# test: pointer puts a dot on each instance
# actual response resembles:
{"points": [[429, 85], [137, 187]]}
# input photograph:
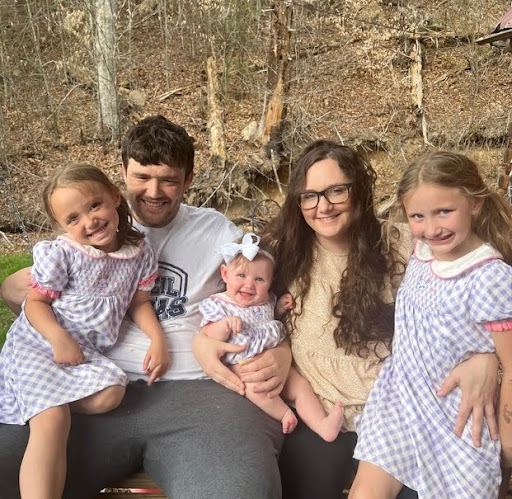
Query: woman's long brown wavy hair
{"points": [[77, 173], [363, 318], [493, 223]]}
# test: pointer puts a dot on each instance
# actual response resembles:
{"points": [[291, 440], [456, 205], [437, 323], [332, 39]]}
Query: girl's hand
{"points": [[268, 369], [284, 303], [208, 352], [67, 351], [156, 360], [477, 378]]}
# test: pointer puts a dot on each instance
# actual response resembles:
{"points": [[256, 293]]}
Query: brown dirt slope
{"points": [[350, 80]]}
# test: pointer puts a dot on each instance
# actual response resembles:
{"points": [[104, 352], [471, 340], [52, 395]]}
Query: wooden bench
{"points": [[139, 486]]}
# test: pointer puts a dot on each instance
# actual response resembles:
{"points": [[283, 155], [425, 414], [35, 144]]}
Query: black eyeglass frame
{"points": [[323, 193]]}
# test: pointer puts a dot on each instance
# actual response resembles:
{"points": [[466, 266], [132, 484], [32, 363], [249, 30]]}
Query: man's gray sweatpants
{"points": [[196, 439]]}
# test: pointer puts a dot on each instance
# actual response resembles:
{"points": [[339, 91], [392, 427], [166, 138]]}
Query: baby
{"points": [[244, 315]]}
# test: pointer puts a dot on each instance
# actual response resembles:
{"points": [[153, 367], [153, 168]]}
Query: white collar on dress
{"points": [[126, 252], [447, 270]]}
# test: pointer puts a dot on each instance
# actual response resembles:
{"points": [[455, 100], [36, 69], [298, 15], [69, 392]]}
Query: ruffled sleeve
{"points": [[212, 310], [149, 270], [50, 272], [491, 294], [499, 326]]}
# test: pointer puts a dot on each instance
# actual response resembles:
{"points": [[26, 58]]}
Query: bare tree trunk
{"points": [[215, 122], [278, 79], [162, 5], [504, 176], [35, 38], [6, 71], [105, 54], [417, 87]]}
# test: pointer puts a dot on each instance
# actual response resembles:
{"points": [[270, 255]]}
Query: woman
{"points": [[342, 276]]}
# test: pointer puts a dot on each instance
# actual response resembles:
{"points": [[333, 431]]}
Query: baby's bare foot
{"points": [[332, 423], [289, 421]]}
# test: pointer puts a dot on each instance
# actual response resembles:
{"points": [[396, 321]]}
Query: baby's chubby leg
{"points": [[43, 469], [298, 390], [275, 407], [104, 401]]}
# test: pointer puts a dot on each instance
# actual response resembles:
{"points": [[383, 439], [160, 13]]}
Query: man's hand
{"points": [[156, 360], [268, 369], [67, 351], [477, 378], [208, 352]]}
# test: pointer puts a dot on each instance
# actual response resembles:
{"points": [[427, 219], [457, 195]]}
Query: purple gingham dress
{"points": [[92, 292], [260, 330], [406, 429]]}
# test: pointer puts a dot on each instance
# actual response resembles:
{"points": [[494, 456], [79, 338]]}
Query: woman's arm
{"points": [[156, 360], [40, 315], [477, 378], [14, 289]]}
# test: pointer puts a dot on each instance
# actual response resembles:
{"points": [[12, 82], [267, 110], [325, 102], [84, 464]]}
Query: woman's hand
{"points": [[268, 369], [208, 352], [477, 378]]}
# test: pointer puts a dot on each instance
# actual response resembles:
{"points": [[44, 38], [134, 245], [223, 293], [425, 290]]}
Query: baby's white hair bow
{"points": [[249, 248]]}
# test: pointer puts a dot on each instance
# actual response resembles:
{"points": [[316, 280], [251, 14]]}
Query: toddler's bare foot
{"points": [[289, 421], [331, 424]]}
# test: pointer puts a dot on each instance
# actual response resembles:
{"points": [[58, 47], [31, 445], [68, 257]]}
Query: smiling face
{"points": [[442, 218], [248, 282], [87, 211], [330, 222], [155, 192]]}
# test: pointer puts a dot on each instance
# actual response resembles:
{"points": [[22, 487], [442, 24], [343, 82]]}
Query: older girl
{"points": [[455, 300]]}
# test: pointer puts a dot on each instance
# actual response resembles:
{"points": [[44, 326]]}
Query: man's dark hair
{"points": [[157, 141]]}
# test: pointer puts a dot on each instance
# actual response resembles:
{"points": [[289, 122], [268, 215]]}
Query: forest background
{"points": [[252, 81]]}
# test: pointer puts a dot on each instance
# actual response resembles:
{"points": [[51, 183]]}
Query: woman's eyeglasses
{"points": [[336, 194]]}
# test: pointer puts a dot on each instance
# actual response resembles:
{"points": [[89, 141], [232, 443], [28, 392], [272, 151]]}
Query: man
{"points": [[193, 436]]}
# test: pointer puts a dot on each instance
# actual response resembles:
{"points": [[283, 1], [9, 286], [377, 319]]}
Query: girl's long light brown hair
{"points": [[493, 223], [77, 173], [363, 318]]}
